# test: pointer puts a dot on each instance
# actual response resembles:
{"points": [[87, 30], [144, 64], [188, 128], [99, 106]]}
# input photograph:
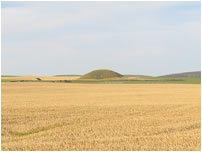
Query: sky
{"points": [[58, 38]]}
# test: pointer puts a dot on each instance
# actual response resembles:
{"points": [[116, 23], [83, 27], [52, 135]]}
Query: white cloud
{"points": [[44, 15], [105, 34]]}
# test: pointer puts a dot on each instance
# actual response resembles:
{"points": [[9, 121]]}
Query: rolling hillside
{"points": [[196, 74], [101, 74]]}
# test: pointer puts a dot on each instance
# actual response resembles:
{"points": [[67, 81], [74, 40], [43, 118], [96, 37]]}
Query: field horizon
{"points": [[182, 74], [101, 76], [111, 77]]}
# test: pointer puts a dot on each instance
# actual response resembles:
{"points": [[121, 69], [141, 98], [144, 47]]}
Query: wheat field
{"points": [[65, 116], [41, 77]]}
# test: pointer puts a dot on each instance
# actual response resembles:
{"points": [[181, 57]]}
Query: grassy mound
{"points": [[101, 74]]}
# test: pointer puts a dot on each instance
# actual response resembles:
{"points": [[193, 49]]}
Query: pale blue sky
{"points": [[52, 38]]}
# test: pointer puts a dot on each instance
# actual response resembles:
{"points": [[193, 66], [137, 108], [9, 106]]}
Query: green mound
{"points": [[101, 74]]}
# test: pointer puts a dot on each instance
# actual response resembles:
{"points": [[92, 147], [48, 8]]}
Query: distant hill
{"points": [[184, 74], [101, 74]]}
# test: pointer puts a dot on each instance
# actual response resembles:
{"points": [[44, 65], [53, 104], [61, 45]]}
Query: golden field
{"points": [[41, 77], [55, 78], [65, 116]]}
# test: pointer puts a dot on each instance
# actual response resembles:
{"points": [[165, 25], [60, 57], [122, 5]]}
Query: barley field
{"points": [[65, 116]]}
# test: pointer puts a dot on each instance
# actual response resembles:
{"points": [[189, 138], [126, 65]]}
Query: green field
{"points": [[150, 81], [13, 80], [145, 81]]}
